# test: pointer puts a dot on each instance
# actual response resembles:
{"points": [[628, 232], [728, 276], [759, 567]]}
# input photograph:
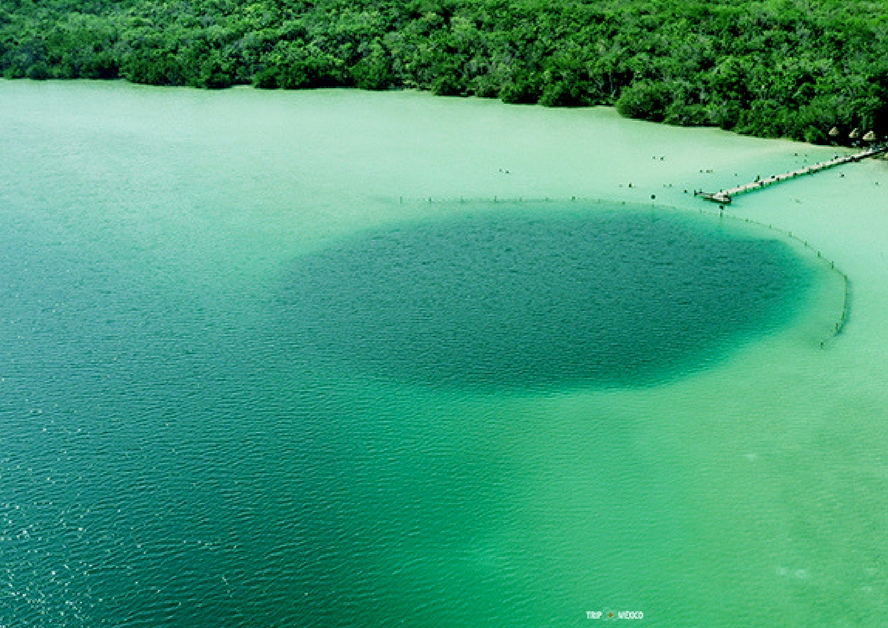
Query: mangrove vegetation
{"points": [[773, 68]]}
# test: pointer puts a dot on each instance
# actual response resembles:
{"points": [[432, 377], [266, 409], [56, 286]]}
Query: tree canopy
{"points": [[773, 68]]}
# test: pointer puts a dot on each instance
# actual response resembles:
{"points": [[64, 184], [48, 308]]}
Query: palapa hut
{"points": [[853, 135], [869, 137], [834, 132]]}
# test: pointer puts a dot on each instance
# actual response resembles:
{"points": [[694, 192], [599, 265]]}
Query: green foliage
{"points": [[775, 68], [373, 69], [646, 100]]}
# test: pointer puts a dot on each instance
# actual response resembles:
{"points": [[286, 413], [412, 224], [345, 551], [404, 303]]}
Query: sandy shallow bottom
{"points": [[161, 462]]}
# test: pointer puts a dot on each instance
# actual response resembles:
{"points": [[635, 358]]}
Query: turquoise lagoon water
{"points": [[334, 358]]}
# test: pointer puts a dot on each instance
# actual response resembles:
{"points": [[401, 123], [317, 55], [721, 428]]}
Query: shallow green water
{"points": [[248, 379]]}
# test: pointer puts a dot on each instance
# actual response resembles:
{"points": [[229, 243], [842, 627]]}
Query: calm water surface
{"points": [[279, 359]]}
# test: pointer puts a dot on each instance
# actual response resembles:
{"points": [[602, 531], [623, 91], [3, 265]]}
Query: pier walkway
{"points": [[724, 196]]}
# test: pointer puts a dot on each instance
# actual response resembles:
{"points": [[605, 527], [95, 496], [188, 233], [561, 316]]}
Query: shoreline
{"points": [[245, 87]]}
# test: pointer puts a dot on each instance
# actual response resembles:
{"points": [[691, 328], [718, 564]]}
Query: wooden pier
{"points": [[724, 196]]}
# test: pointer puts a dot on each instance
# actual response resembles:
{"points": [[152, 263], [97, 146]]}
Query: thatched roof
{"points": [[854, 134], [834, 132], [869, 137]]}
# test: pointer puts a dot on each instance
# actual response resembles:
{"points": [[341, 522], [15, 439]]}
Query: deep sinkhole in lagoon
{"points": [[546, 295]]}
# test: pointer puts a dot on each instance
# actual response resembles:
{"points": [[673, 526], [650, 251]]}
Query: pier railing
{"points": [[724, 197]]}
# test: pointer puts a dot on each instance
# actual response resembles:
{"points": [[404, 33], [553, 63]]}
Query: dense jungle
{"points": [[771, 68]]}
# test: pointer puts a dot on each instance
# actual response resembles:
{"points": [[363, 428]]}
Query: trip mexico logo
{"points": [[610, 615]]}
